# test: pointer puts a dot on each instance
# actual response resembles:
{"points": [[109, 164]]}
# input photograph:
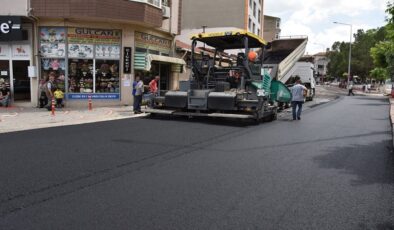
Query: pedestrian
{"points": [[4, 95], [59, 95], [43, 94], [153, 85], [350, 89], [297, 92], [139, 90], [153, 89], [50, 88]]}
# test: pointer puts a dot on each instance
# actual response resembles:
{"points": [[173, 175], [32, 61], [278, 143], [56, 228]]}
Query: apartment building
{"points": [[221, 15], [94, 47], [271, 28]]}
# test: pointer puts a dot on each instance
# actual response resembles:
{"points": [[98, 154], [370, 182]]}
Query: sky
{"points": [[315, 18]]}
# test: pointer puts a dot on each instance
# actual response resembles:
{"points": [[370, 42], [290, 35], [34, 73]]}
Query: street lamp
{"points": [[350, 49]]}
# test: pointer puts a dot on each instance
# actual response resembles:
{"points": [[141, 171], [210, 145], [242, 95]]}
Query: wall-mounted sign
{"points": [[21, 51], [152, 42], [127, 60], [97, 96], [10, 28], [94, 36]]}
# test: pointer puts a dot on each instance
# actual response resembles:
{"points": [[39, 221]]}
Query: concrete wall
{"points": [[14, 7], [217, 13]]}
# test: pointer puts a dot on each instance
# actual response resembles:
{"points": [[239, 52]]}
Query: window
{"points": [[259, 16], [156, 3], [277, 23], [254, 28], [258, 32], [250, 3], [277, 36], [250, 24], [254, 9]]}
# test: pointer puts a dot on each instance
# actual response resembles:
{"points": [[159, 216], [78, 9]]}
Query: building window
{"points": [[277, 36], [156, 3], [250, 24], [258, 32], [277, 23], [254, 9], [254, 28], [259, 16]]}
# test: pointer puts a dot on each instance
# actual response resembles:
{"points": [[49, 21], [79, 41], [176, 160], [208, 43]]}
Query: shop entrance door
{"points": [[21, 80]]}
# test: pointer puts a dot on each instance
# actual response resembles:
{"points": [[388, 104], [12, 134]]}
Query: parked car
{"points": [[387, 87]]}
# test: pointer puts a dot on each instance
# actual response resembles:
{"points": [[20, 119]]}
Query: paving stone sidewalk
{"points": [[24, 117]]}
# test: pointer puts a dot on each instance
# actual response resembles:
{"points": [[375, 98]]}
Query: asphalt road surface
{"points": [[334, 169]]}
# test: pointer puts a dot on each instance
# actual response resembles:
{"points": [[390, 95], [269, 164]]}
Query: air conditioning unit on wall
{"points": [[166, 12]]}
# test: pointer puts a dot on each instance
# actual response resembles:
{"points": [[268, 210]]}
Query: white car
{"points": [[387, 87]]}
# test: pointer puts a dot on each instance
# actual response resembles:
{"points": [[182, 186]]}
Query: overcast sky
{"points": [[315, 18]]}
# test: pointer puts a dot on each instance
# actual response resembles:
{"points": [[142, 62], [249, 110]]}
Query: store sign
{"points": [[127, 60], [99, 96], [94, 36], [149, 41], [21, 51], [10, 28]]}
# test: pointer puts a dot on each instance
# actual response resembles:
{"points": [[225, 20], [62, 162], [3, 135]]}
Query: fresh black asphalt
{"points": [[334, 169]]}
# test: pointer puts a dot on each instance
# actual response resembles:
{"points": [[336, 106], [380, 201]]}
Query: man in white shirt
{"points": [[297, 92], [139, 90]]}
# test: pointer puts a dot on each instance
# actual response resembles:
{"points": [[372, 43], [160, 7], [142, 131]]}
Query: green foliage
{"points": [[379, 74], [383, 52]]}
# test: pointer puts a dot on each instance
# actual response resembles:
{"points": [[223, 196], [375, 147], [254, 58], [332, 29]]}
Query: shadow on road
{"points": [[362, 161]]}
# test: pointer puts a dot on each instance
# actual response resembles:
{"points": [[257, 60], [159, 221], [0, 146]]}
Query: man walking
{"points": [[350, 88], [297, 92], [139, 90]]}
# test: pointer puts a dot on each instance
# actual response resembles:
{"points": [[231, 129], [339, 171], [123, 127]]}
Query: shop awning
{"points": [[166, 59]]}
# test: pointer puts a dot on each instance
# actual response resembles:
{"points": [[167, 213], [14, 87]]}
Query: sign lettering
{"points": [[127, 60], [5, 27]]}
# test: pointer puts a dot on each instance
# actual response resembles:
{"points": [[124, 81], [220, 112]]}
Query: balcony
{"points": [[106, 10]]}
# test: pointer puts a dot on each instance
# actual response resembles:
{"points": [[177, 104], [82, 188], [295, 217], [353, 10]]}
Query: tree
{"points": [[383, 52]]}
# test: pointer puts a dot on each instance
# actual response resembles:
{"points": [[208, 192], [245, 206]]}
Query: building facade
{"points": [[221, 15], [94, 47], [321, 61], [271, 28]]}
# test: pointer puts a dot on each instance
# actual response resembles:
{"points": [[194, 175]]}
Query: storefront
{"points": [[16, 57], [86, 61], [151, 58]]}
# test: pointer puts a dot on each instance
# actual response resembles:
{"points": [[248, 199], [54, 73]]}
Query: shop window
{"points": [[80, 76], [107, 76], [58, 67]]}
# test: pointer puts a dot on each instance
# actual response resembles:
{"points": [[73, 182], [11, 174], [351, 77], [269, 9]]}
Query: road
{"points": [[334, 169]]}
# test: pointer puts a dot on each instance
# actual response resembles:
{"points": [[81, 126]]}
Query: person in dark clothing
{"points": [[4, 95]]}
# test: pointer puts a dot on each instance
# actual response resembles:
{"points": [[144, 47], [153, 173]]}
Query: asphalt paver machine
{"points": [[241, 89]]}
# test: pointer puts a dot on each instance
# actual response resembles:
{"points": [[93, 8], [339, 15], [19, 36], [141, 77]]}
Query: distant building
{"points": [[321, 61], [271, 28], [221, 15]]}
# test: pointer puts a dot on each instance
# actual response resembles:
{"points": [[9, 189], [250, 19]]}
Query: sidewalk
{"points": [[24, 117]]}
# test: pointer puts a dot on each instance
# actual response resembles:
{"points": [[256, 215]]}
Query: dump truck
{"points": [[242, 90], [304, 70], [282, 55]]}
